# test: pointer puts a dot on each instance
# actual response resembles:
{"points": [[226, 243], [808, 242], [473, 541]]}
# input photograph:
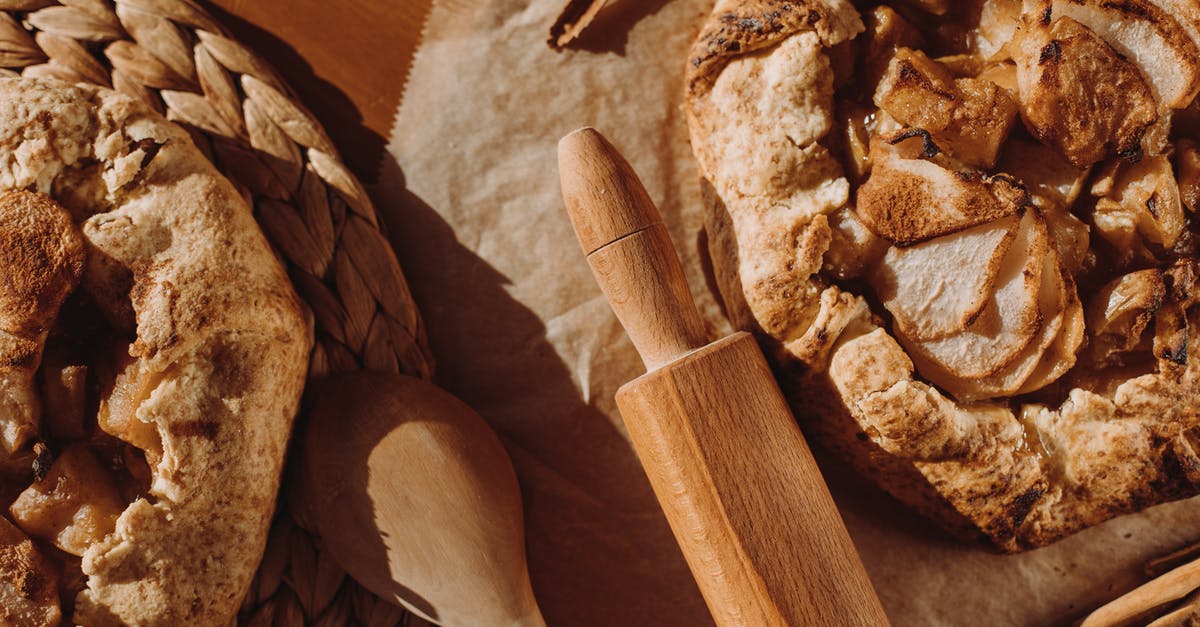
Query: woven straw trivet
{"points": [[176, 57]]}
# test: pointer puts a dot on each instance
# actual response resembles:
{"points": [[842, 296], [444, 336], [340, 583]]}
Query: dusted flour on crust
{"points": [[1064, 433], [174, 256]]}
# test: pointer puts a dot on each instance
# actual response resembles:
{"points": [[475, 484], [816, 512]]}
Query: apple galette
{"points": [[968, 231], [152, 356]]}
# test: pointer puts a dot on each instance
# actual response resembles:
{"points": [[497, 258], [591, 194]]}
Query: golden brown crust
{"points": [[42, 256], [786, 183], [742, 26], [173, 254], [41, 259], [1019, 475]]}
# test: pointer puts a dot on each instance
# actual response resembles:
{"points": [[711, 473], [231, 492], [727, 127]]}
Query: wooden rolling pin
{"points": [[725, 457]]}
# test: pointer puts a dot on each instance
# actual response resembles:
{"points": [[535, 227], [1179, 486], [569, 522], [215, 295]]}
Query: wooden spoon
{"points": [[417, 499]]}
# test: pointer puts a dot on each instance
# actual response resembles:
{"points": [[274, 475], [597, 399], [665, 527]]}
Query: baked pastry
{"points": [[967, 232], [152, 357]]}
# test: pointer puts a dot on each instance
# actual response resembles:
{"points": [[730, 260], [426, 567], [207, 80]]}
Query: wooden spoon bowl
{"points": [[416, 498]]}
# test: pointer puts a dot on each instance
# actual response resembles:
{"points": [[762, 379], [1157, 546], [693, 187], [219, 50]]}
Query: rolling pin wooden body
{"points": [[734, 476]]}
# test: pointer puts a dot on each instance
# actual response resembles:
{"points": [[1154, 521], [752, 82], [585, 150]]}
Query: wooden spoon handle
{"points": [[629, 249]]}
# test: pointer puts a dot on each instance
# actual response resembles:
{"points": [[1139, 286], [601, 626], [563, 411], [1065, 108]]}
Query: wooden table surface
{"points": [[347, 60]]}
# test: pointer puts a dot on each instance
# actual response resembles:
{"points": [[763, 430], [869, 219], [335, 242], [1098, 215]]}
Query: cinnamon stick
{"points": [[1173, 585], [1190, 608], [1172, 560], [573, 20]]}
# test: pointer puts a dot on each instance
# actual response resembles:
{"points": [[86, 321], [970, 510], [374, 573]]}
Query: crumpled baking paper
{"points": [[521, 332]]}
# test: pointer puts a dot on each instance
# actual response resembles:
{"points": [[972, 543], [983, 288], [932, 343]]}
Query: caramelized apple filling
{"points": [[75, 505], [90, 460], [1032, 191], [74, 453], [28, 581]]}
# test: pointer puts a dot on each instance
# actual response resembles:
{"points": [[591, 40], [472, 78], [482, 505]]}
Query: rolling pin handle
{"points": [[629, 249]]}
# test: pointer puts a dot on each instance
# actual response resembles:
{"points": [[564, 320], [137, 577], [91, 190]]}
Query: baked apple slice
{"points": [[1143, 202], [1187, 173], [28, 582], [123, 392], [1078, 94], [917, 91], [1051, 180], [1186, 12], [968, 117], [1054, 186], [1148, 35], [1052, 300], [1171, 338], [1072, 240], [853, 247], [63, 384], [1117, 316], [75, 506], [928, 302], [1062, 354], [1150, 188], [886, 32], [909, 200], [1002, 73], [998, 20], [1007, 324]]}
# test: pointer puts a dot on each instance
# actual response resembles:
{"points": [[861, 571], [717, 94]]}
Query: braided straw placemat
{"points": [[174, 56]]}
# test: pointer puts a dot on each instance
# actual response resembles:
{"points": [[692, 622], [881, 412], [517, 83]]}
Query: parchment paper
{"points": [[522, 333]]}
